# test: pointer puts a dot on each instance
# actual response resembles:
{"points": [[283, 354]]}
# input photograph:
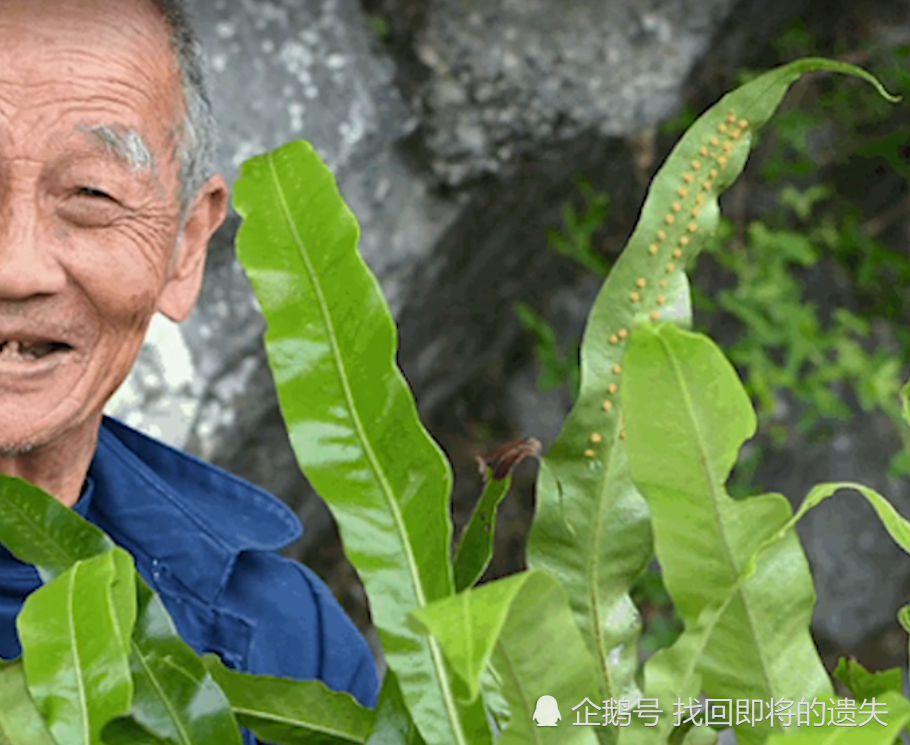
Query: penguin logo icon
{"points": [[546, 713]]}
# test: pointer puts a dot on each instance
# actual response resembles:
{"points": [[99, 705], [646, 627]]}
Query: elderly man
{"points": [[107, 204]]}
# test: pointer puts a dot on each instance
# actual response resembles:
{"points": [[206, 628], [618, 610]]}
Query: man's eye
{"points": [[88, 191], [88, 207]]}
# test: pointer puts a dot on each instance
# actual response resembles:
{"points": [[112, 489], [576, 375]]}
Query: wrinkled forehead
{"points": [[91, 73]]}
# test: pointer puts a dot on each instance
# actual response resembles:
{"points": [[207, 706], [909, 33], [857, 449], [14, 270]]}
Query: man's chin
{"points": [[20, 441], [27, 437], [17, 449]]}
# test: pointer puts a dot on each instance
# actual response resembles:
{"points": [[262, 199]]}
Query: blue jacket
{"points": [[205, 541]]}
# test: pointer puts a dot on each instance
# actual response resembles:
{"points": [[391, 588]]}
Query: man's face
{"points": [[90, 242]]}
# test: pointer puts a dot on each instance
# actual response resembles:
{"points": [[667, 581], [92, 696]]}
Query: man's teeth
{"points": [[21, 350]]}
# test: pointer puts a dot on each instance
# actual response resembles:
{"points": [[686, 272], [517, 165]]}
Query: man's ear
{"points": [[203, 218]]}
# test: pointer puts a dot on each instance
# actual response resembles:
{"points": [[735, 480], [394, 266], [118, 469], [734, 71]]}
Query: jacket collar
{"points": [[179, 513]]}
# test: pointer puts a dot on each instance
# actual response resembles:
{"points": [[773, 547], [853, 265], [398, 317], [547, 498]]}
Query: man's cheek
{"points": [[122, 272]]}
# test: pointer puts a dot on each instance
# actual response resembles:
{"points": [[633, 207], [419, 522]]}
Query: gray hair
{"points": [[198, 138]]}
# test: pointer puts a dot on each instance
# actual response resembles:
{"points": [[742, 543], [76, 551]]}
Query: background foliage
{"points": [[803, 282]]}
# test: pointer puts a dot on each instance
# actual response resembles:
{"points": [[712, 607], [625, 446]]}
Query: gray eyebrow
{"points": [[126, 143]]}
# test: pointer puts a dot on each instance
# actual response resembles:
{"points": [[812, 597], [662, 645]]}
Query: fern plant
{"points": [[639, 470]]}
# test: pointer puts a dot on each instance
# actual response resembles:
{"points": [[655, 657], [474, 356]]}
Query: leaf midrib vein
{"points": [[716, 494], [436, 653]]}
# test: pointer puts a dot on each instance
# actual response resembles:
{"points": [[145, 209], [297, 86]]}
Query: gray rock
{"points": [[860, 573], [508, 77], [521, 90]]}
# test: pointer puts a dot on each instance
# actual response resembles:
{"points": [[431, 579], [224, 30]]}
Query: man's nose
{"points": [[29, 265]]}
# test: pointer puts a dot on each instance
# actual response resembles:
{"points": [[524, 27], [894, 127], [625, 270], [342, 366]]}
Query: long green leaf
{"points": [[37, 529], [127, 731], [541, 652], [176, 698], [476, 545], [296, 712], [674, 672], [75, 645], [707, 388], [592, 528], [21, 722], [171, 683], [393, 725], [350, 416], [688, 416], [892, 521]]}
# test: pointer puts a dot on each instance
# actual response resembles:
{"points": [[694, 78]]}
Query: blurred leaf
{"points": [[393, 725], [905, 402], [296, 712], [494, 700], [579, 229], [350, 417], [75, 645], [700, 736], [864, 684], [556, 368], [802, 201], [679, 123], [870, 733], [127, 731], [896, 525], [903, 617], [21, 722]]}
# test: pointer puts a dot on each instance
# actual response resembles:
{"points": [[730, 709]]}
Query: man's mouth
{"points": [[29, 350]]}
